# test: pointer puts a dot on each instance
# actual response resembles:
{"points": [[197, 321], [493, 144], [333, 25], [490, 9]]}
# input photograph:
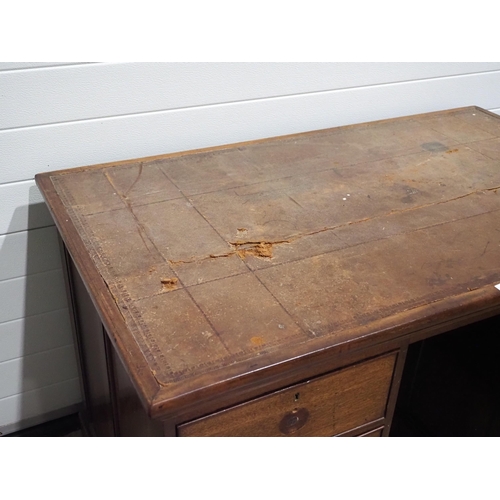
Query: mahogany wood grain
{"points": [[326, 406], [131, 418], [98, 393], [396, 383]]}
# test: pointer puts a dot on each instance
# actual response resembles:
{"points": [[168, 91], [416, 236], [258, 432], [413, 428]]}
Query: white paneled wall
{"points": [[55, 115]]}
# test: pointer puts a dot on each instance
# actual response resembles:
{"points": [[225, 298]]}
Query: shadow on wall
{"points": [[38, 371]]}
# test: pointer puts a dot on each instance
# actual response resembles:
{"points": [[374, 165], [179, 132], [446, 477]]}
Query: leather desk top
{"points": [[216, 263]]}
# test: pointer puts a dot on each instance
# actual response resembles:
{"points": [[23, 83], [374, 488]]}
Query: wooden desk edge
{"points": [[137, 367], [413, 326]]}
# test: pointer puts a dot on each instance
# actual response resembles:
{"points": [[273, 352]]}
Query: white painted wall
{"points": [[55, 115]]}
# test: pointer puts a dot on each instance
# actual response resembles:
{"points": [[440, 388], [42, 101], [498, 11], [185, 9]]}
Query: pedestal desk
{"points": [[273, 288]]}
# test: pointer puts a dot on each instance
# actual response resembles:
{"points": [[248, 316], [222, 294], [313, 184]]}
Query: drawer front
{"points": [[324, 406]]}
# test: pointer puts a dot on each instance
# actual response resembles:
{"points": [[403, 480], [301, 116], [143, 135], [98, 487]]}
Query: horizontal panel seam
{"points": [[40, 388], [9, 183], [49, 66], [492, 110], [4, 235], [31, 354], [33, 274], [26, 230], [244, 101], [30, 274], [33, 315]]}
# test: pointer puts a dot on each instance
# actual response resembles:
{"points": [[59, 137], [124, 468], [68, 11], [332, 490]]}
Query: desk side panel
{"points": [[98, 414]]}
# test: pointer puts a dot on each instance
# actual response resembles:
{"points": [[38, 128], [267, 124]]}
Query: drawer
{"points": [[374, 433], [324, 406]]}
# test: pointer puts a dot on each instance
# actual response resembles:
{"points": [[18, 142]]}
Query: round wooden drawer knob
{"points": [[293, 421]]}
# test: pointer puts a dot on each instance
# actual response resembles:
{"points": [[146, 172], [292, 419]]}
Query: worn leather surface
{"points": [[228, 255]]}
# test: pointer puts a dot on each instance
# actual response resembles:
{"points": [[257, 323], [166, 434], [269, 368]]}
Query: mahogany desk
{"points": [[273, 287]]}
